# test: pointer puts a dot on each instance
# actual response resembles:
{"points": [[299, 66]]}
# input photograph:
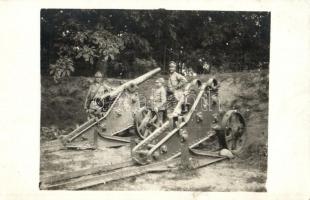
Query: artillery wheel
{"points": [[146, 122], [234, 130]]}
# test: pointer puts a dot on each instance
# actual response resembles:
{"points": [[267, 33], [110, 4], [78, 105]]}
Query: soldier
{"points": [[159, 99], [176, 81], [96, 90], [176, 84]]}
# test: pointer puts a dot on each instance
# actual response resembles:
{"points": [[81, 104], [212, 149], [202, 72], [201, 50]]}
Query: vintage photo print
{"points": [[154, 100]]}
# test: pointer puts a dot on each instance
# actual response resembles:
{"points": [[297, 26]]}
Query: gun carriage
{"points": [[196, 123]]}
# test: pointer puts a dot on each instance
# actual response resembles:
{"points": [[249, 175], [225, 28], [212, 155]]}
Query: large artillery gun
{"points": [[201, 123], [114, 119], [201, 130]]}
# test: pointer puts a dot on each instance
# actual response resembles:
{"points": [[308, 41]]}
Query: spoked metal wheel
{"points": [[234, 129], [146, 122]]}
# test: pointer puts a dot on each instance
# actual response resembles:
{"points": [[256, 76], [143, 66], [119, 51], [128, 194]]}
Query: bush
{"points": [[144, 65]]}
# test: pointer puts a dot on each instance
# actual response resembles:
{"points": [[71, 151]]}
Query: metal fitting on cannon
{"points": [[183, 135], [134, 100], [213, 84], [132, 87], [103, 127], [163, 149], [216, 127], [156, 155], [199, 117], [118, 113]]}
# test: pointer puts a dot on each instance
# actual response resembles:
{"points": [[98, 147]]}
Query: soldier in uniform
{"points": [[96, 90], [159, 99], [176, 81], [176, 84]]}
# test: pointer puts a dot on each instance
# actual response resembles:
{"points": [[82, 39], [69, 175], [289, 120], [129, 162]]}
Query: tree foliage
{"points": [[62, 68], [79, 41]]}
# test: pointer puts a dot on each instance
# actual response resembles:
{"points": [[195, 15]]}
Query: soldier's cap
{"points": [[98, 75], [172, 64], [160, 80]]}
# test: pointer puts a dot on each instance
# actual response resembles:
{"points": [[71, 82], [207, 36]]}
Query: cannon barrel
{"points": [[131, 83]]}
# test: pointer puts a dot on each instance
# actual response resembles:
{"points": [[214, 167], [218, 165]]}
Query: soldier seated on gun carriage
{"points": [[93, 107]]}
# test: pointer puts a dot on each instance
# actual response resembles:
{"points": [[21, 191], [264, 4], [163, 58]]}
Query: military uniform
{"points": [[176, 84], [159, 99], [96, 90]]}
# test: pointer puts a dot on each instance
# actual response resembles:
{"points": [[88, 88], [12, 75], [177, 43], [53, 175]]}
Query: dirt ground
{"points": [[61, 108], [221, 177], [227, 175]]}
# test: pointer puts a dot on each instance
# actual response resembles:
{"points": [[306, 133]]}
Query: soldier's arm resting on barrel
{"points": [[109, 87]]}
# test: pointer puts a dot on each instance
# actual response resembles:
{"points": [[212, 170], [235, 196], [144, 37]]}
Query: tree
{"points": [[78, 41], [75, 40]]}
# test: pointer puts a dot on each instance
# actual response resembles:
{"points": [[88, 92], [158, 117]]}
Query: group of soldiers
{"points": [[175, 85]]}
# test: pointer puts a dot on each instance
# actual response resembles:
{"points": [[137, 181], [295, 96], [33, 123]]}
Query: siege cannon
{"points": [[114, 118], [201, 122], [201, 134]]}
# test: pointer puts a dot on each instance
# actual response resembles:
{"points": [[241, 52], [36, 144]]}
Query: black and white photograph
{"points": [[154, 100], [160, 99]]}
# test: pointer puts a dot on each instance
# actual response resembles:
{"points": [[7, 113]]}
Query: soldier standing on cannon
{"points": [[176, 81], [96, 90], [176, 84]]}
